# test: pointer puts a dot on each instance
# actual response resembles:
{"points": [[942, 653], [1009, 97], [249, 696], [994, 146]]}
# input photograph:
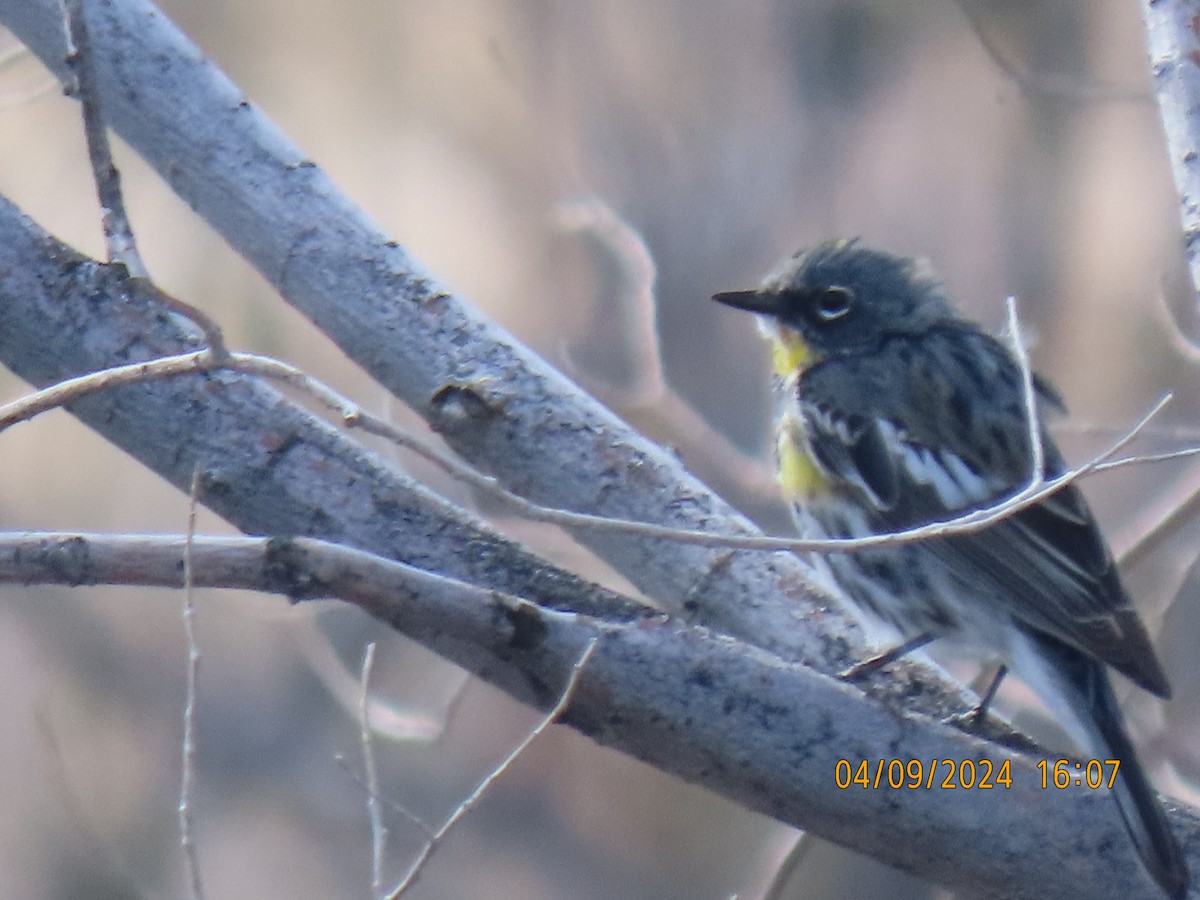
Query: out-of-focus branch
{"points": [[1045, 84], [1173, 43], [643, 395], [1160, 519], [705, 707], [629, 316]]}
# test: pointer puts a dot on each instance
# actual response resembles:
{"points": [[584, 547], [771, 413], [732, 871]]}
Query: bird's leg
{"points": [[867, 666], [978, 715]]}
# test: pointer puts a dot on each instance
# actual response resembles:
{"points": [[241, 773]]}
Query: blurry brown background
{"points": [[727, 133]]}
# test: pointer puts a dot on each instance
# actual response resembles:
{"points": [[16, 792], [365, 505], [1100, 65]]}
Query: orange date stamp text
{"points": [[926, 774]]}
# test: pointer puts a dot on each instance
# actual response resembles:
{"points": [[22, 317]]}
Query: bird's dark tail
{"points": [[1144, 816], [1083, 683]]}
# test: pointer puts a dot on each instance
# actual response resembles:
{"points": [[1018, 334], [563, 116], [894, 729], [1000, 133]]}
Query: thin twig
{"points": [[1164, 432], [213, 336], [1032, 422], [63, 392], [118, 235], [187, 781], [799, 847], [352, 416], [118, 230], [476, 795], [390, 721], [371, 774], [361, 783]]}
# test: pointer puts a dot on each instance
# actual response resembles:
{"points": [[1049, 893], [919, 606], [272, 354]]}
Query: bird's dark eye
{"points": [[833, 303]]}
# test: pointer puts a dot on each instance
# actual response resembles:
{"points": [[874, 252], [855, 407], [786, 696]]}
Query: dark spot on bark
{"points": [[528, 629], [286, 572], [69, 560], [455, 406]]}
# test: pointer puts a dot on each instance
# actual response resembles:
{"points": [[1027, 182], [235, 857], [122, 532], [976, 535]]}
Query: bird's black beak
{"points": [[761, 302]]}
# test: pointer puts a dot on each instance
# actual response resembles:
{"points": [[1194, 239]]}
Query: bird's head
{"points": [[838, 298]]}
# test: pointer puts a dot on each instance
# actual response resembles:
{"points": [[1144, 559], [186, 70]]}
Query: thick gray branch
{"points": [[268, 466], [707, 708]]}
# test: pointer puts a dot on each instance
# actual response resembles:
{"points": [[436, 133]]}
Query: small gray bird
{"points": [[895, 412]]}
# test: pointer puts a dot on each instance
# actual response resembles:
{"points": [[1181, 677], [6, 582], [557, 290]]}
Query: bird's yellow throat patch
{"points": [[789, 353]]}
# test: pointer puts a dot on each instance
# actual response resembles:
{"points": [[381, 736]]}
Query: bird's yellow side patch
{"points": [[798, 474]]}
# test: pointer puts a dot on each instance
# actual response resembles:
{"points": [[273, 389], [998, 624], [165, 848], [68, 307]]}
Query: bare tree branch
{"points": [[118, 230], [118, 234], [187, 776], [267, 465], [379, 832], [496, 403], [703, 706], [1174, 47], [472, 800]]}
